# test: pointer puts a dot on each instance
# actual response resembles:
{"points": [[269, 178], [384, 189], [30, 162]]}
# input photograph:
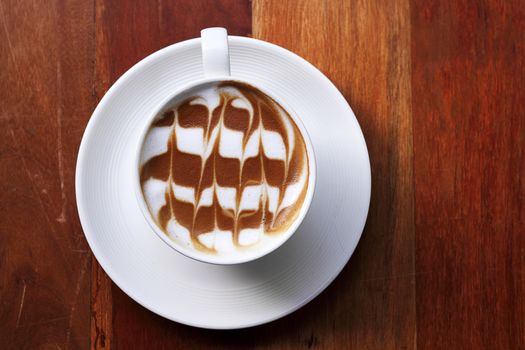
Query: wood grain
{"points": [[363, 47], [46, 52], [101, 325], [126, 33], [469, 137]]}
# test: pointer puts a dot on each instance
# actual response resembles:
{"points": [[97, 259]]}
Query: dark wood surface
{"points": [[439, 91], [363, 47], [468, 93], [46, 98]]}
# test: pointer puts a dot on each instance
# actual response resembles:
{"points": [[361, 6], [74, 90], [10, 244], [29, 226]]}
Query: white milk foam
{"points": [[192, 141]]}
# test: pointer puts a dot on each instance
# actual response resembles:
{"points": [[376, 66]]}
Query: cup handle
{"points": [[215, 52]]}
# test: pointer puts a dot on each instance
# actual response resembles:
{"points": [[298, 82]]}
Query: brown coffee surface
{"points": [[247, 169]]}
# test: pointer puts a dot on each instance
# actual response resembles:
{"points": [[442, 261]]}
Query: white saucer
{"points": [[199, 294]]}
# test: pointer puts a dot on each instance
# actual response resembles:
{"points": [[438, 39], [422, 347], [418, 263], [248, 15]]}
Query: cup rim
{"points": [[221, 259]]}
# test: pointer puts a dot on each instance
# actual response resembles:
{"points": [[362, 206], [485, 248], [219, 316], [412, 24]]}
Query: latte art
{"points": [[224, 169]]}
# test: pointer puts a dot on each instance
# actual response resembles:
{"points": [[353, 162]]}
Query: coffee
{"points": [[223, 168]]}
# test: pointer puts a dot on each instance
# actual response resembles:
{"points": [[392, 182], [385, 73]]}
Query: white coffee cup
{"points": [[216, 67]]}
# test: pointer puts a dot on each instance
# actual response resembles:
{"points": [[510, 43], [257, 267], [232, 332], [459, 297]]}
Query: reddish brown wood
{"points": [[363, 48], [46, 52], [468, 93], [101, 286], [127, 32], [101, 308]]}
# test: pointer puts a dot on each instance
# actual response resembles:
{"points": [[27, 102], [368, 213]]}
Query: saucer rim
{"points": [[85, 220]]}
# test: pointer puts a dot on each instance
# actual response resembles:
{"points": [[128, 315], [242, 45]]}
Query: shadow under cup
{"points": [[226, 173]]}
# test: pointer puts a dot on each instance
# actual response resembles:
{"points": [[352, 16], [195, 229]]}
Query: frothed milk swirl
{"points": [[224, 169]]}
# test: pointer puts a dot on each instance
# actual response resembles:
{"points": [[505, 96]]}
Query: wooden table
{"points": [[439, 90]]}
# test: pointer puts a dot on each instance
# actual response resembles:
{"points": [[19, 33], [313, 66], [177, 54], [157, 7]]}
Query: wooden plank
{"points": [[46, 52], [468, 96], [101, 307], [127, 32], [101, 286], [364, 48]]}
